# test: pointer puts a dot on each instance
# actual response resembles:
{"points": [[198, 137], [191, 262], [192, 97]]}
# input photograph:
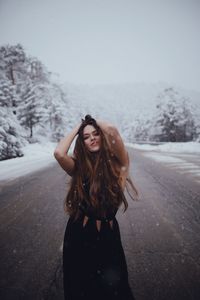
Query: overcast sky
{"points": [[109, 41]]}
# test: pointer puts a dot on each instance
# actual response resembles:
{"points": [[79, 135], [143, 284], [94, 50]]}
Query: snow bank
{"points": [[187, 147], [36, 156]]}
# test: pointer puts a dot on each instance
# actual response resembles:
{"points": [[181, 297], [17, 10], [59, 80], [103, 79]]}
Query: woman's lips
{"points": [[94, 144]]}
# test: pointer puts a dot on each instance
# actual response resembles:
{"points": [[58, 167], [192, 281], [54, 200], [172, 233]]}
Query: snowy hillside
{"points": [[125, 104], [34, 107]]}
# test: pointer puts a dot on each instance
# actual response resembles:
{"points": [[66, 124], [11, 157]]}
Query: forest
{"points": [[34, 104]]}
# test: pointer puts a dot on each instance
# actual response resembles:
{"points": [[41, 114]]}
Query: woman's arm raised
{"points": [[61, 151], [115, 142]]}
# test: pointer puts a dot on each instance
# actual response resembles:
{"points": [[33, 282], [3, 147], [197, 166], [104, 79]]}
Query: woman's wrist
{"points": [[76, 129], [65, 143]]}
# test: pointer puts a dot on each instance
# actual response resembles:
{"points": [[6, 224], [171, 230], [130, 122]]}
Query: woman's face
{"points": [[92, 138]]}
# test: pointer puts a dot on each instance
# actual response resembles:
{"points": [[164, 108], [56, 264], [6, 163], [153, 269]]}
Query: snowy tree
{"points": [[30, 100], [174, 120], [58, 113], [136, 127], [140, 129], [30, 111], [125, 129], [57, 120], [197, 129], [196, 117], [36, 70], [7, 95], [11, 61], [11, 139]]}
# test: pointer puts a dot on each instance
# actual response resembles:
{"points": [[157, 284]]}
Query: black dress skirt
{"points": [[94, 264]]}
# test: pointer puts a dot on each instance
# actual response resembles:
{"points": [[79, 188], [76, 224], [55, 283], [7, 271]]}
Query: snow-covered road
{"points": [[188, 164], [182, 157]]}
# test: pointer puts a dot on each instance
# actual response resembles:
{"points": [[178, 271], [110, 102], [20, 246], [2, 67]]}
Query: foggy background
{"points": [[129, 62], [109, 41]]}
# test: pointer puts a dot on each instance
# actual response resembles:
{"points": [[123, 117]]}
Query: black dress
{"points": [[94, 264]]}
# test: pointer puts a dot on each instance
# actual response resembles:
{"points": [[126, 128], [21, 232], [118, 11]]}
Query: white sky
{"points": [[109, 41]]}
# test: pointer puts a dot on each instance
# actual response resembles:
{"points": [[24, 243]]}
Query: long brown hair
{"points": [[101, 169]]}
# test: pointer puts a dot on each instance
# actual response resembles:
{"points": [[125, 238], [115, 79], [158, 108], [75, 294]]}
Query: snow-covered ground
{"points": [[182, 157], [36, 156], [40, 155]]}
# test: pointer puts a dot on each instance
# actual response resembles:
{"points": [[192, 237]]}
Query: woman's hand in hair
{"points": [[115, 142], [65, 160], [105, 126]]}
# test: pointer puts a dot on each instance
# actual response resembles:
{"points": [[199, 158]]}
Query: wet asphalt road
{"points": [[160, 234]]}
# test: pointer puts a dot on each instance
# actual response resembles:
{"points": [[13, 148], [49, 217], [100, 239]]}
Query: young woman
{"points": [[94, 264]]}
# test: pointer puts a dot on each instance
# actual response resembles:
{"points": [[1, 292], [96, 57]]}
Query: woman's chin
{"points": [[95, 149]]}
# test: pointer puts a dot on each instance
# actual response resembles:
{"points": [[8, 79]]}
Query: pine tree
{"points": [[36, 70], [57, 117], [30, 111], [12, 59], [174, 121], [11, 141]]}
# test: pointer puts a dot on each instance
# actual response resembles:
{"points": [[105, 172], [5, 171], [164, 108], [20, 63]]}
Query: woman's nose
{"points": [[92, 137]]}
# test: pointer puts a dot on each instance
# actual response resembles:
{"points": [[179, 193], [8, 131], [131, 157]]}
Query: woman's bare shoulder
{"points": [[67, 163]]}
